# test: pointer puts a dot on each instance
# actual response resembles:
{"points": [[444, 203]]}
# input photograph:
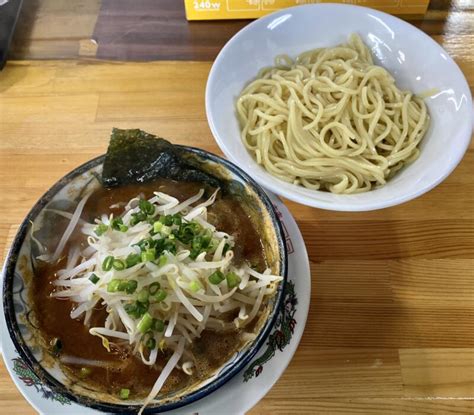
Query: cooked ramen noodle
{"points": [[331, 120]]}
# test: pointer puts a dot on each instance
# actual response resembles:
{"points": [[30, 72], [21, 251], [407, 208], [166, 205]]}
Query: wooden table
{"points": [[390, 328]]}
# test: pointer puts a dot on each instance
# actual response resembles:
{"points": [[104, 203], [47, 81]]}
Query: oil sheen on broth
{"points": [[109, 372]]}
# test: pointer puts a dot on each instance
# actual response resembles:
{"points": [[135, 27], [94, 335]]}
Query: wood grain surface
{"points": [[157, 30], [391, 322]]}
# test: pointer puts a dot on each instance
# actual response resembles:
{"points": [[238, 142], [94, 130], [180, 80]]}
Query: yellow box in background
{"points": [[250, 9]]}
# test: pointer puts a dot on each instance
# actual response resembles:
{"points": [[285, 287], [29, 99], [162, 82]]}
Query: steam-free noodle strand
{"points": [[331, 120]]}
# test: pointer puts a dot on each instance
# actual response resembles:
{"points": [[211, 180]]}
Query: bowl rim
{"points": [[228, 372], [274, 184]]}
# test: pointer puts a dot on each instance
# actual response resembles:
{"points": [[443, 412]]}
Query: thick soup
{"points": [[83, 355]]}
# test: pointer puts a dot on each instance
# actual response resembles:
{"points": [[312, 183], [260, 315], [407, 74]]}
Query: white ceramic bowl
{"points": [[414, 59]]}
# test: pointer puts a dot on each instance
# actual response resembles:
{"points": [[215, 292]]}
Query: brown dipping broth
{"points": [[119, 368]]}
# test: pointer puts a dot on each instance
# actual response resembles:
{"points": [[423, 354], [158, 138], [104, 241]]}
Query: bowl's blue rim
{"points": [[228, 373]]}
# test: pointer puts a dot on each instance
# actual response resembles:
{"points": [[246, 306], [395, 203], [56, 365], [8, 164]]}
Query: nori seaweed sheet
{"points": [[135, 156]]}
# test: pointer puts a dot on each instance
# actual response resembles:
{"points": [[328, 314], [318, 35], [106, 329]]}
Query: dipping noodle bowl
{"points": [[146, 296]]}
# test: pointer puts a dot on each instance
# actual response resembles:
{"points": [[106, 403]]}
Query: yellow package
{"points": [[250, 9]]}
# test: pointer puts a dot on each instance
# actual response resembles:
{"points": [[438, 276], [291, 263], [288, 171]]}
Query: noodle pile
{"points": [[331, 120]]}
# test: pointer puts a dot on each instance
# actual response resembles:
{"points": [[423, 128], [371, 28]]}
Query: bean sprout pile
{"points": [[164, 274]]}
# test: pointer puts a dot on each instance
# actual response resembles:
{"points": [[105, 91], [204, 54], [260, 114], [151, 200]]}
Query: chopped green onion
{"points": [[143, 296], [169, 246], [165, 230], [145, 323], [130, 287], [166, 220], [118, 264], [146, 207], [206, 238], [124, 394], [148, 243], [115, 223], [154, 287], [164, 244], [194, 286], [123, 228], [149, 255], [157, 226], [177, 220], [130, 308], [196, 243], [151, 222], [158, 325], [143, 308], [85, 371], [150, 343], [216, 277], [187, 231], [132, 259], [162, 261], [160, 295], [100, 229], [213, 245], [114, 285], [108, 262], [136, 309], [137, 217], [232, 279], [94, 278], [194, 253]]}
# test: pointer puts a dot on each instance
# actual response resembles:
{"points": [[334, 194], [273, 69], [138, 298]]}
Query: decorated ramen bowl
{"points": [[43, 227]]}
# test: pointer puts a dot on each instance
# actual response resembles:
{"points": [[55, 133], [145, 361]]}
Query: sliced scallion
{"points": [[165, 230], [145, 323], [115, 223], [132, 259], [108, 263], [166, 220], [146, 207], [194, 286], [142, 296], [94, 278], [118, 265], [158, 325], [157, 226], [100, 229], [124, 393], [137, 309], [130, 286], [137, 218], [160, 295], [232, 279], [154, 287], [150, 343], [162, 261], [114, 286], [216, 277], [149, 255]]}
